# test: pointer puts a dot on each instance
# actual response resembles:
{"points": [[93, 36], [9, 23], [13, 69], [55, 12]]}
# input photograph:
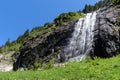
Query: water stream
{"points": [[80, 45]]}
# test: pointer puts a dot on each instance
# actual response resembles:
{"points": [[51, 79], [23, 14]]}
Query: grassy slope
{"points": [[98, 69]]}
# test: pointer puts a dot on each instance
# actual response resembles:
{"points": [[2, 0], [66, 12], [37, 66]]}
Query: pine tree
{"points": [[7, 42]]}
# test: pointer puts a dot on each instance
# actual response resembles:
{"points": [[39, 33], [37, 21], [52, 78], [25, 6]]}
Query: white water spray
{"points": [[82, 39]]}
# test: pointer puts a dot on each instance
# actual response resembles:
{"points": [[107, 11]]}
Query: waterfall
{"points": [[80, 45]]}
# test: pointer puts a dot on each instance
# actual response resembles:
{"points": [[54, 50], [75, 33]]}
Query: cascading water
{"points": [[82, 39]]}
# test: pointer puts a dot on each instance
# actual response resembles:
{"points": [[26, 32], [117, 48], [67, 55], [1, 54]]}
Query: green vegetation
{"points": [[67, 17], [12, 47], [118, 19], [98, 69], [49, 64], [100, 4], [116, 2]]}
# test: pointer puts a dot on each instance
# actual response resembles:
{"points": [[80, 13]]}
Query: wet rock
{"points": [[107, 43]]}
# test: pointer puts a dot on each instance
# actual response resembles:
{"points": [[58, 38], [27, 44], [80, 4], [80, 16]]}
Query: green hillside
{"points": [[98, 69]]}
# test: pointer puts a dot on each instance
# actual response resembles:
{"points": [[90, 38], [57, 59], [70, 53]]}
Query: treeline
{"points": [[14, 45], [100, 4]]}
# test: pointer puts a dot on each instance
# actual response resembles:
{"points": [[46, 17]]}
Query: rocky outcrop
{"points": [[6, 62], [44, 47], [106, 38]]}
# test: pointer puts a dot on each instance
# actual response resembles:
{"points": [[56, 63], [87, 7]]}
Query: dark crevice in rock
{"points": [[106, 39]]}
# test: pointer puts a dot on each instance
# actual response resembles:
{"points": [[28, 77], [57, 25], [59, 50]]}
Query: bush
{"points": [[49, 64], [36, 65], [67, 17]]}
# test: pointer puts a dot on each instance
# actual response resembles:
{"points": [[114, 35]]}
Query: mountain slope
{"points": [[47, 46], [45, 43]]}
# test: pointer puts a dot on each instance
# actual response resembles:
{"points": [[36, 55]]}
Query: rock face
{"points": [[47, 46], [5, 67], [106, 37], [44, 47], [6, 62]]}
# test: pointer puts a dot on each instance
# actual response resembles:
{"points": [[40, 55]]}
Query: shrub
{"points": [[36, 65], [67, 17], [116, 2], [49, 65]]}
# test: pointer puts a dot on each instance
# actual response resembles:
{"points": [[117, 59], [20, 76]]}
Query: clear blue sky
{"points": [[18, 15]]}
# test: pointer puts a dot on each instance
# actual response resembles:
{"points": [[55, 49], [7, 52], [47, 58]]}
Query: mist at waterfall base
{"points": [[80, 44]]}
